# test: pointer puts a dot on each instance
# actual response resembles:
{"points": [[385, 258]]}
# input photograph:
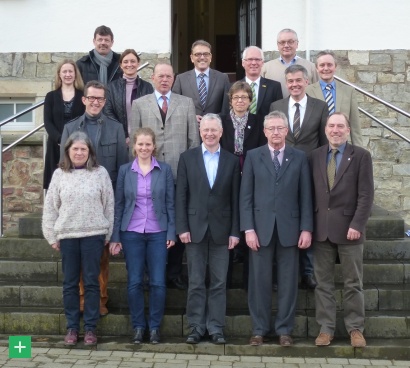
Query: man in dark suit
{"points": [[207, 87], [307, 119], [172, 118], [276, 215], [344, 191], [264, 91], [207, 221], [339, 96]]}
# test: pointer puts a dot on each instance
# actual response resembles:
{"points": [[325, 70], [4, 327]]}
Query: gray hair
{"points": [[211, 116], [296, 68], [252, 47], [326, 52], [276, 115], [287, 30]]}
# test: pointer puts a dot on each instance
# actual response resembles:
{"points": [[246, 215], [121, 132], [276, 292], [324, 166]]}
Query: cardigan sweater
{"points": [[79, 204]]}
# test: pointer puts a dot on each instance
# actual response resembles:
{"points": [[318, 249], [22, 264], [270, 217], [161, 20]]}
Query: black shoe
{"points": [[194, 337], [138, 336], [177, 283], [218, 339], [307, 282], [154, 337]]}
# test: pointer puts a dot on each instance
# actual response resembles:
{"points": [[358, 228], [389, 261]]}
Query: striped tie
{"points": [[276, 161], [202, 90], [331, 169], [329, 99], [296, 121], [252, 108]]}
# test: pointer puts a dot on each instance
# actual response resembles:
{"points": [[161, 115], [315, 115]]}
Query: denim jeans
{"points": [[140, 250], [82, 254]]}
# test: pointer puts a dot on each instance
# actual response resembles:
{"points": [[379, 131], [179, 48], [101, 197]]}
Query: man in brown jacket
{"points": [[343, 189]]}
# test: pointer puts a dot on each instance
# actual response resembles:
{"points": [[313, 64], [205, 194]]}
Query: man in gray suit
{"points": [[172, 118], [276, 215], [339, 97], [207, 87], [307, 119], [207, 221]]}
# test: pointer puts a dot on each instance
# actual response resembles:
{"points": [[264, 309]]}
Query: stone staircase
{"points": [[31, 301]]}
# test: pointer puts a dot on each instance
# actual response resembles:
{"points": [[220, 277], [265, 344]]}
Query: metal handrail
{"points": [[21, 113], [15, 143]]}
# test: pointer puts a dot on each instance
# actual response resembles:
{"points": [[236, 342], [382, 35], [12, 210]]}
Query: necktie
{"points": [[296, 121], [331, 169], [252, 108], [164, 104], [202, 89], [276, 161], [329, 99]]}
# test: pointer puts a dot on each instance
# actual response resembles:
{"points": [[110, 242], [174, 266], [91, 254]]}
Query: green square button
{"points": [[20, 347]]}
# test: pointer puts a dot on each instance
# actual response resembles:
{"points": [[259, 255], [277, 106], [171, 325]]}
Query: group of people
{"points": [[197, 165]]}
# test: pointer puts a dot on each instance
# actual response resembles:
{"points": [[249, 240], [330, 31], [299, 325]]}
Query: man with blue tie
{"points": [[207, 87], [207, 221]]}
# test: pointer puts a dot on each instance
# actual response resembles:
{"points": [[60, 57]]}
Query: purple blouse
{"points": [[143, 219]]}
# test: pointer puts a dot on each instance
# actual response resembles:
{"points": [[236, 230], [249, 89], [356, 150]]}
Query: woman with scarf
{"points": [[123, 91]]}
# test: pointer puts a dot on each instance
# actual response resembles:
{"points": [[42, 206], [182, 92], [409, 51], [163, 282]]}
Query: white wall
{"points": [[338, 24], [68, 25]]}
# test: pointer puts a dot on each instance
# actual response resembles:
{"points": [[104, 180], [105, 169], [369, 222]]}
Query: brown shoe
{"points": [[285, 340], [256, 340], [356, 339], [323, 339], [103, 310]]}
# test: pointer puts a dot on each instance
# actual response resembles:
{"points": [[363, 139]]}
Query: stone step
{"points": [[31, 249], [51, 321], [37, 270], [339, 351], [377, 298], [382, 224]]}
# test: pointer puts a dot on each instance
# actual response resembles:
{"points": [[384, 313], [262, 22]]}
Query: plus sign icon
{"points": [[19, 346]]}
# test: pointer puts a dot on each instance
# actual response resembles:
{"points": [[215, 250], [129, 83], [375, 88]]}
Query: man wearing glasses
{"points": [[264, 91], [207, 87], [275, 69], [108, 138]]}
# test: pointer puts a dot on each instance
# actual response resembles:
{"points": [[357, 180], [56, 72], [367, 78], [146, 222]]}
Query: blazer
{"points": [[346, 102], [269, 91], [253, 137], [284, 200], [180, 131], [198, 206], [312, 132], [217, 97], [349, 202], [110, 149], [162, 194]]}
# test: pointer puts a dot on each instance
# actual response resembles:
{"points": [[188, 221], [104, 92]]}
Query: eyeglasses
{"points": [[243, 98], [93, 99], [272, 129], [253, 60], [290, 42], [204, 54]]}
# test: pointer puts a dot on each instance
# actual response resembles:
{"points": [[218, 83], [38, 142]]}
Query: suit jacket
{"points": [[346, 102], [198, 206], [217, 97], [312, 132], [111, 149], [162, 194], [180, 131], [269, 91], [284, 200], [349, 202], [253, 137]]}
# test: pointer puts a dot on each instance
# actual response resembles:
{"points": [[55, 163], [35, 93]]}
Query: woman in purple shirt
{"points": [[144, 228]]}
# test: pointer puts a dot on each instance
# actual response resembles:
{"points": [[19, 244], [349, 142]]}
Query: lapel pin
{"points": [[249, 127], [348, 159], [286, 159], [264, 85]]}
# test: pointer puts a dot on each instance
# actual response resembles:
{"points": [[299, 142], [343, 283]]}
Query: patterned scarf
{"points": [[239, 124]]}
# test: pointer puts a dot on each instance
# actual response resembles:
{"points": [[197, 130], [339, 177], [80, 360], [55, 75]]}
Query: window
{"points": [[11, 106]]}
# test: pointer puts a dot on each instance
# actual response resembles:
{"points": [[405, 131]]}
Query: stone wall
{"points": [[385, 73]]}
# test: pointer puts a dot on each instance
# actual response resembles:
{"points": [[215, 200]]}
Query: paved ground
{"points": [[80, 358]]}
